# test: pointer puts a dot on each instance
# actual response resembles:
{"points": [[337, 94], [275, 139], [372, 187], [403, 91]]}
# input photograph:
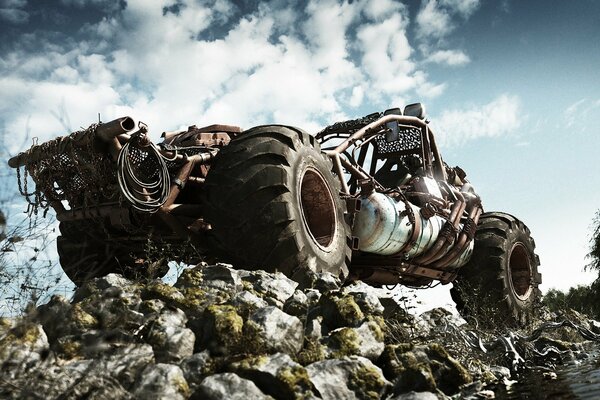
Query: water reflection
{"points": [[577, 380]]}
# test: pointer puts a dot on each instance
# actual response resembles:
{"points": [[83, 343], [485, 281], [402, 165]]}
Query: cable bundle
{"points": [[143, 177]]}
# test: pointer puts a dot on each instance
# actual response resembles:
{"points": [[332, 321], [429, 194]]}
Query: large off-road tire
{"points": [[500, 282], [273, 203], [84, 254]]}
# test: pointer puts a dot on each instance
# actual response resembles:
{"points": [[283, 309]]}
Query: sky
{"points": [[512, 88]]}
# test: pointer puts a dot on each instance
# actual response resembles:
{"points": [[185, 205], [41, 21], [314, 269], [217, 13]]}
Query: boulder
{"points": [[366, 341], [169, 337], [162, 381], [350, 378], [276, 375], [272, 330], [228, 386], [22, 347], [220, 329], [275, 288], [340, 310], [197, 367]]}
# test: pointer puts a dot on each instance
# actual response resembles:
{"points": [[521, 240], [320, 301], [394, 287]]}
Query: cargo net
{"points": [[68, 169], [408, 142]]}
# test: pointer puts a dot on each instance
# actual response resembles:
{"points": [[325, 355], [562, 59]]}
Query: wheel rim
{"points": [[318, 208], [520, 271]]}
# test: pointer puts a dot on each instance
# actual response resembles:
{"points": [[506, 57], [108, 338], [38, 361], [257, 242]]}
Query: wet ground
{"points": [[576, 380]]}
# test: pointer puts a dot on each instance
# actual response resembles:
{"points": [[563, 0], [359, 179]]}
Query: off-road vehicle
{"points": [[367, 199]]}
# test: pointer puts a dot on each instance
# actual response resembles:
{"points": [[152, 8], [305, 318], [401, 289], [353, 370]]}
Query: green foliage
{"points": [[584, 299], [594, 254]]}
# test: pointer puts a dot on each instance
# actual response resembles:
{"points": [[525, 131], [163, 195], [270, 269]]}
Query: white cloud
{"points": [[195, 64], [433, 21], [499, 117], [578, 111], [452, 58]]}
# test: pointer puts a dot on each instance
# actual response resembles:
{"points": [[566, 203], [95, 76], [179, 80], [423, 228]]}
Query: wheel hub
{"points": [[318, 208]]}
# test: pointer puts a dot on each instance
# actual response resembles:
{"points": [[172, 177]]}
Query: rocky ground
{"points": [[221, 333]]}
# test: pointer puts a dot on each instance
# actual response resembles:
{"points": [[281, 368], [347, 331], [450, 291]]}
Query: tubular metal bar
{"points": [[461, 244], [108, 131], [414, 121], [455, 214]]}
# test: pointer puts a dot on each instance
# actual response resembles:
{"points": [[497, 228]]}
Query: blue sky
{"points": [[512, 87]]}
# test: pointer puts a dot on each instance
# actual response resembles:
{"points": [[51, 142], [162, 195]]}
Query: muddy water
{"points": [[576, 380]]}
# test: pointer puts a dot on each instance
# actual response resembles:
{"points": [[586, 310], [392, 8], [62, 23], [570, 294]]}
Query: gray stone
{"points": [[276, 375], [124, 287], [276, 330], [248, 301], [366, 341], [314, 328], [125, 362], [348, 378], [222, 277], [22, 347], [275, 288], [297, 305], [416, 396], [368, 302], [162, 381], [170, 339], [228, 386], [312, 296], [196, 367]]}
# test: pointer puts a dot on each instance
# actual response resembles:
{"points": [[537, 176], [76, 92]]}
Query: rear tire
{"points": [[85, 254], [500, 282], [273, 203]]}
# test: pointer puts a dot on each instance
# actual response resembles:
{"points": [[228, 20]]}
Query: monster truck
{"points": [[367, 199]]}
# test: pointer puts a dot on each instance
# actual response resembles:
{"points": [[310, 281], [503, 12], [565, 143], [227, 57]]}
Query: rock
{"points": [[274, 331], [365, 341], [340, 310], [314, 329], [348, 378], [297, 305], [415, 396], [368, 302], [111, 281], [312, 296], [276, 375], [76, 380], [247, 302], [197, 367], [162, 381], [126, 362], [228, 386], [220, 329], [275, 288], [167, 293], [423, 368], [22, 347], [222, 277], [321, 281], [170, 339]]}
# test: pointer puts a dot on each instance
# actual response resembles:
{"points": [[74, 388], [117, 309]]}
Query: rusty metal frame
{"points": [[434, 263]]}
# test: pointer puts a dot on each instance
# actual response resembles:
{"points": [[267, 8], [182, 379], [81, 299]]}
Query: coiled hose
{"points": [[146, 190]]}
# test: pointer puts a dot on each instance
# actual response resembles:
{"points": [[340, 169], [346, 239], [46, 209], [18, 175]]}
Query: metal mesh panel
{"points": [[409, 140], [72, 170]]}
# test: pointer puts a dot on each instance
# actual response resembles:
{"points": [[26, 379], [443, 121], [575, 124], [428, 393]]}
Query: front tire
{"points": [[500, 281], [274, 204]]}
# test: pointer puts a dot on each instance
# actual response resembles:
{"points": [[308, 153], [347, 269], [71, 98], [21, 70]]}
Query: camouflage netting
{"points": [[69, 168]]}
